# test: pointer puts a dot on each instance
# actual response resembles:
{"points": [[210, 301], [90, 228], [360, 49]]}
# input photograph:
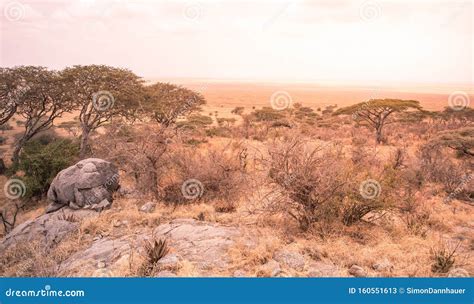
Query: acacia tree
{"points": [[167, 102], [11, 89], [102, 93], [377, 113], [43, 99]]}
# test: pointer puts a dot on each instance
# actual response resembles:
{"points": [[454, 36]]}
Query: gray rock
{"points": [[204, 244], [148, 207], [104, 204], [101, 264], [357, 271], [383, 265], [169, 262], [165, 274], [86, 262], [49, 228], [322, 269], [86, 184], [240, 274], [291, 259], [102, 273], [458, 273], [270, 269]]}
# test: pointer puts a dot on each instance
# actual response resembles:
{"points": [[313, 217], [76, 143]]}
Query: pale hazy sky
{"points": [[423, 41]]}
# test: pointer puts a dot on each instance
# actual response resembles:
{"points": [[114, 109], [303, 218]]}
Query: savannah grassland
{"points": [[410, 229]]}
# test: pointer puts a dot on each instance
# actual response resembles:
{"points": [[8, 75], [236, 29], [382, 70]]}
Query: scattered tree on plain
{"points": [[377, 113], [167, 102]]}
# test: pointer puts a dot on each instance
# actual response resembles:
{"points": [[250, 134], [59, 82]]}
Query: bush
{"points": [[219, 132], [439, 168], [41, 162], [310, 181], [196, 121], [444, 256], [316, 184], [216, 174], [3, 140], [139, 151]]}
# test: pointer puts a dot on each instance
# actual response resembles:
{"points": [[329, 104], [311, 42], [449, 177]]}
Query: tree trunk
{"points": [[84, 149], [379, 134], [16, 152], [3, 168]]}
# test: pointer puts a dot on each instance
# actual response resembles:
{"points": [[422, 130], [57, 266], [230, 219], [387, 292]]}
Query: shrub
{"points": [[219, 132], [41, 161], [439, 168], [196, 121], [310, 181], [154, 251], [3, 140], [444, 256], [138, 151], [216, 174]]}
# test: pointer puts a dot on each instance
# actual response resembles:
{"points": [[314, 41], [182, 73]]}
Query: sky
{"points": [[347, 41]]}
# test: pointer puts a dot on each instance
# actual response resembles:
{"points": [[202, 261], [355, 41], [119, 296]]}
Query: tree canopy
{"points": [[12, 86], [42, 99], [101, 93], [378, 112], [167, 102]]}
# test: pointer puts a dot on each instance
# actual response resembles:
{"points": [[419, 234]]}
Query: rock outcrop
{"points": [[49, 229], [89, 184], [202, 244]]}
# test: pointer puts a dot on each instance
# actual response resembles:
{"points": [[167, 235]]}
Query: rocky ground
{"points": [[83, 240]]}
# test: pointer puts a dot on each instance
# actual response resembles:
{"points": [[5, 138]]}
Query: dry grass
{"points": [[407, 236]]}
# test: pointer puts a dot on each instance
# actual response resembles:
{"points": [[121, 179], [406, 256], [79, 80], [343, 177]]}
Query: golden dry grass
{"points": [[364, 244]]}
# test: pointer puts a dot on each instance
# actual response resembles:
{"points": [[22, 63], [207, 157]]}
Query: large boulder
{"points": [[89, 184]]}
